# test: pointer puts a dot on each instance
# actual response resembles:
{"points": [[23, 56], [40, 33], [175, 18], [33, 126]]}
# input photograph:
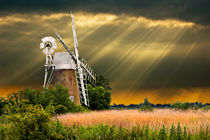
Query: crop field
{"points": [[194, 121]]}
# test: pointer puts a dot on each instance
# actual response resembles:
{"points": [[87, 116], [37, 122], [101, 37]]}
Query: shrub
{"points": [[206, 108], [57, 97], [176, 105], [146, 108], [3, 102], [60, 109], [185, 106], [27, 121]]}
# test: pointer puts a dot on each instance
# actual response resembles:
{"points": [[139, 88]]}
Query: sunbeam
{"points": [[160, 56], [128, 52]]}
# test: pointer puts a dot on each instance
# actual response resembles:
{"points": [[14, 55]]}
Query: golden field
{"points": [[193, 120]]}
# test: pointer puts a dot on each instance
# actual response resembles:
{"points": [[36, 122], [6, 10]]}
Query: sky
{"points": [[157, 49]]}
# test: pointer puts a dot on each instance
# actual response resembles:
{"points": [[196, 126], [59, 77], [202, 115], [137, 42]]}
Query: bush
{"points": [[57, 97], [146, 108], [206, 108], [26, 121], [3, 102]]}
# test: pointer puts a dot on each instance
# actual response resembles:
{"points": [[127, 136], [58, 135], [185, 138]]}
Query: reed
{"points": [[194, 121]]}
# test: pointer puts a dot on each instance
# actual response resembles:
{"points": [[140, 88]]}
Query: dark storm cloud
{"points": [[187, 10]]}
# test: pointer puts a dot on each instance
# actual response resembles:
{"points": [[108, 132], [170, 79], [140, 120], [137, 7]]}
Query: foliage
{"points": [[186, 106], [99, 98], [100, 95], [57, 97], [107, 132], [206, 108], [22, 120], [146, 106], [102, 81], [3, 102]]}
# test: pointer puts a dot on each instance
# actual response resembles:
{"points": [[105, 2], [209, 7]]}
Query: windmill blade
{"points": [[41, 45], [65, 46], [79, 69], [54, 45], [74, 32], [48, 38], [73, 56], [45, 39], [51, 39]]}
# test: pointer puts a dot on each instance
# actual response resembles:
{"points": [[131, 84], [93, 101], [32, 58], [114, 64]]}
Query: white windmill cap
{"points": [[63, 60]]}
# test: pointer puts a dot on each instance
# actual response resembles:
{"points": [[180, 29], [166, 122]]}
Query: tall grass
{"points": [[194, 121], [106, 132]]}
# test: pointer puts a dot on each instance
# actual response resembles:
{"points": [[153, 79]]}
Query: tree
{"points": [[100, 95], [102, 81], [146, 102], [146, 106], [99, 98]]}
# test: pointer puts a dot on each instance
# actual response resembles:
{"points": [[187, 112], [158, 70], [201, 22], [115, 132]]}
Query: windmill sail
{"points": [[80, 72]]}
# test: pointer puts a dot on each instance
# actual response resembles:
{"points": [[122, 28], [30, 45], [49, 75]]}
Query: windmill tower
{"points": [[74, 73]]}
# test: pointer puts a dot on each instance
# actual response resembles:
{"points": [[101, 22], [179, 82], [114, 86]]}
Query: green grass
{"points": [[105, 132]]}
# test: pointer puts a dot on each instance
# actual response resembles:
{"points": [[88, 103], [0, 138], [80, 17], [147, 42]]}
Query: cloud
{"points": [[192, 11]]}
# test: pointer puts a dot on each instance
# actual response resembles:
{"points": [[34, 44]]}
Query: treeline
{"points": [[176, 106]]}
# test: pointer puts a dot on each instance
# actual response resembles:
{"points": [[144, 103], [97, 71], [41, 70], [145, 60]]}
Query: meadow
{"points": [[194, 120], [49, 114]]}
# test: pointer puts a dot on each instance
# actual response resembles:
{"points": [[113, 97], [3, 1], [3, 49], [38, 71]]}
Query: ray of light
{"points": [[113, 44], [132, 49], [89, 33], [97, 47], [158, 59]]}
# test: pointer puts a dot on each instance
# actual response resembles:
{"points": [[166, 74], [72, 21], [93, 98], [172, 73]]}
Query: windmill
{"points": [[72, 68]]}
